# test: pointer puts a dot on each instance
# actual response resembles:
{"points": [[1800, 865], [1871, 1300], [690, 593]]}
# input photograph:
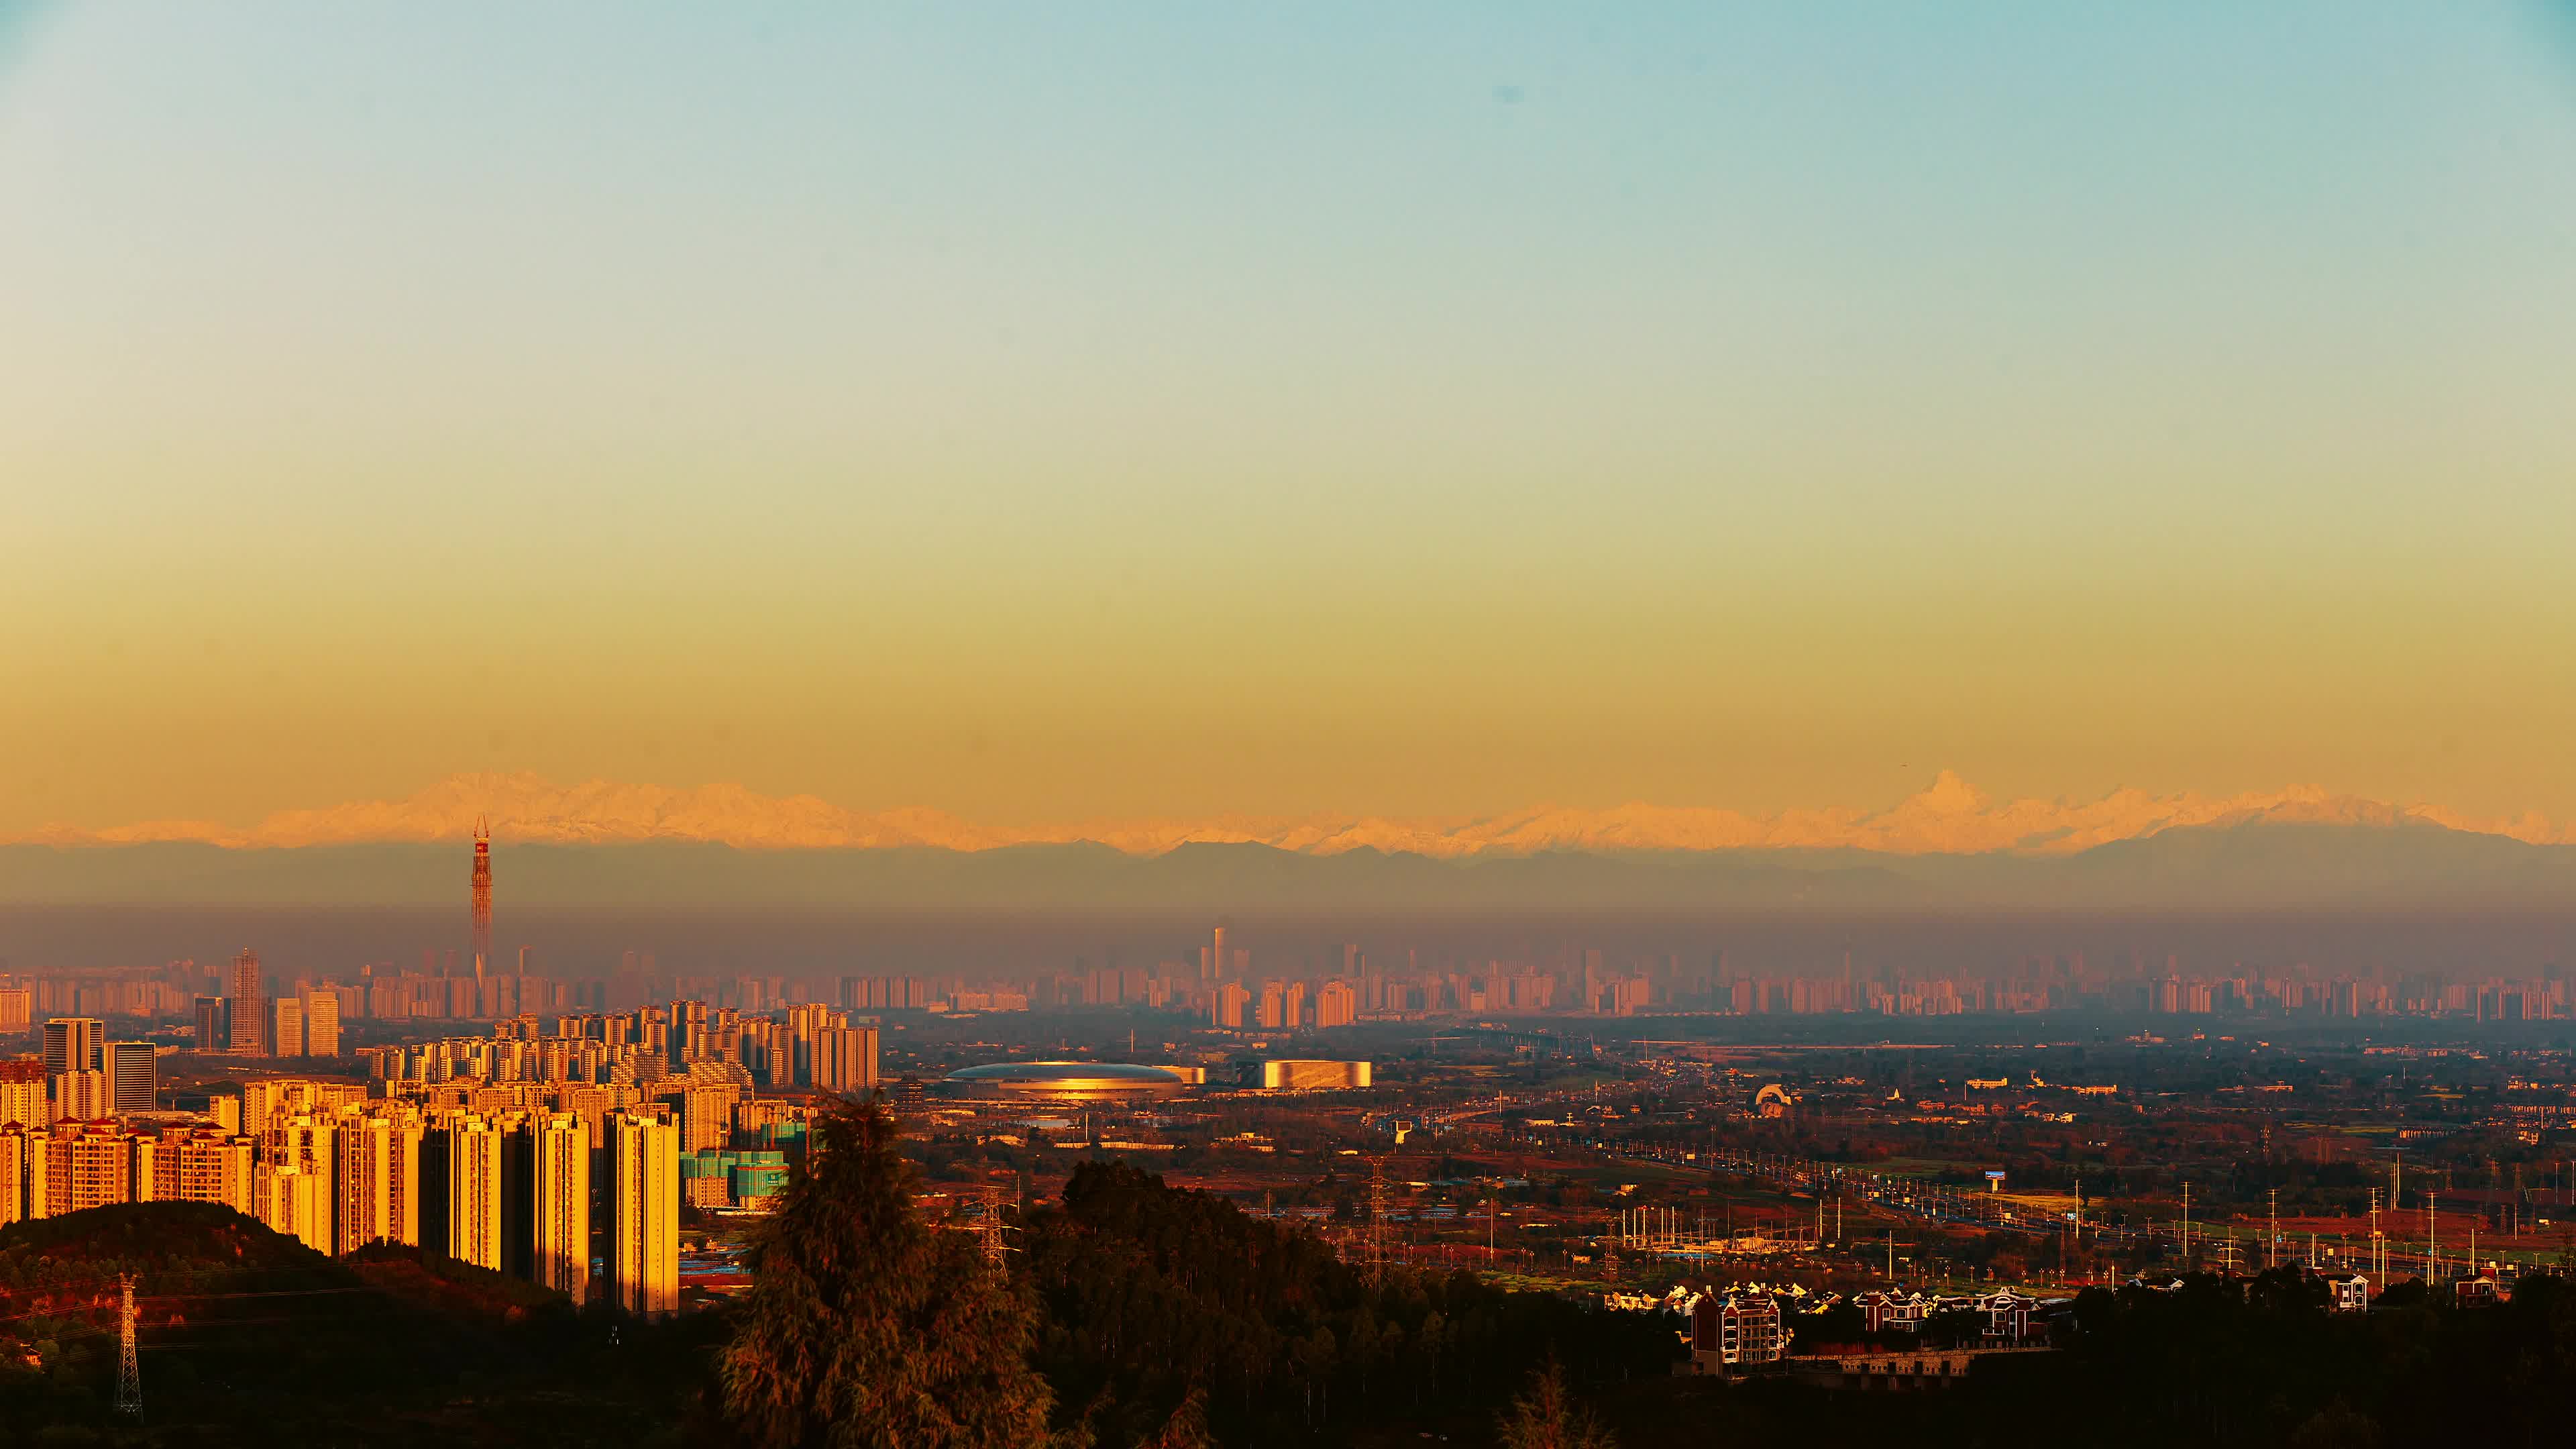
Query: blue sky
{"points": [[1771, 403]]}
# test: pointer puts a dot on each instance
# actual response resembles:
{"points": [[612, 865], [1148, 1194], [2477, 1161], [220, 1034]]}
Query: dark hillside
{"points": [[1154, 1292], [243, 1332]]}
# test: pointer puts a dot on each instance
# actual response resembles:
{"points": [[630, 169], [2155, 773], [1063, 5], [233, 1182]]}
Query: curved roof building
{"points": [[1061, 1082]]}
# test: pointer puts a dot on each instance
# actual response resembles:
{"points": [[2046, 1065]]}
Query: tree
{"points": [[866, 1326], [2336, 1426], [1547, 1417], [1954, 1326], [1187, 1428]]}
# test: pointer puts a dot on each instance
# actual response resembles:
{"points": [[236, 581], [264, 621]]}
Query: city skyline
{"points": [[1113, 417]]}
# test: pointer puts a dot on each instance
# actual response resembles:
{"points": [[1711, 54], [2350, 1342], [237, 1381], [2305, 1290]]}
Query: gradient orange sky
{"points": [[1084, 413]]}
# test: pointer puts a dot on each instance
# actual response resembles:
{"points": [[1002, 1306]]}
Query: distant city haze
{"points": [[826, 943]]}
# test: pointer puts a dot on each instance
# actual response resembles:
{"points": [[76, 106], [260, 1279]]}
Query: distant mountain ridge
{"points": [[2250, 864], [1949, 818]]}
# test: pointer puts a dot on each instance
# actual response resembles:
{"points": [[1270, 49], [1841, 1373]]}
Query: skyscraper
{"points": [[644, 1258], [72, 1044], [474, 1200], [133, 1076], [561, 1182], [379, 1181], [210, 1024], [322, 1022], [289, 1040], [248, 1011]]}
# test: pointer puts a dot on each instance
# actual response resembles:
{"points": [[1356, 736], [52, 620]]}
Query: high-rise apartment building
{"points": [[1336, 1005], [295, 1201], [245, 1007], [378, 1185], [560, 1180], [305, 1140], [289, 1040], [13, 1172], [1229, 1004], [322, 1022], [87, 1167], [197, 1165], [72, 1044], [34, 1157], [644, 1224], [264, 1098], [84, 1096], [804, 1022], [475, 1203], [133, 1074], [706, 1116], [17, 1010], [845, 1058], [22, 1094]]}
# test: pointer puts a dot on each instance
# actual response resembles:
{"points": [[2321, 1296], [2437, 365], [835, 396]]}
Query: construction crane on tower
{"points": [[482, 895]]}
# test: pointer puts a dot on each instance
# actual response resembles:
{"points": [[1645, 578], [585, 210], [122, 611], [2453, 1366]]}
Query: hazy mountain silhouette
{"points": [[1949, 817], [2255, 863]]}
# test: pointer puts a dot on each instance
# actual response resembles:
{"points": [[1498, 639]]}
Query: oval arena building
{"points": [[1061, 1082]]}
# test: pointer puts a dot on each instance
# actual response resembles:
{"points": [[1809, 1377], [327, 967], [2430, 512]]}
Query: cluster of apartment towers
{"points": [[523, 1187]]}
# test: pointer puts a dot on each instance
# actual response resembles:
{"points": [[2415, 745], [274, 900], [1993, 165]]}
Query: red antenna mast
{"points": [[482, 895]]}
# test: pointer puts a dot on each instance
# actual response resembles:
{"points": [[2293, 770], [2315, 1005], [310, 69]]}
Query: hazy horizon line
{"points": [[1950, 817]]}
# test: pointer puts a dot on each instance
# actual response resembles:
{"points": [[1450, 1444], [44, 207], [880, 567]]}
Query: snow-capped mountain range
{"points": [[1950, 817]]}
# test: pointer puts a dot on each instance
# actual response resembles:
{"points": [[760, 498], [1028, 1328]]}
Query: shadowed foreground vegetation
{"points": [[1138, 1314]]}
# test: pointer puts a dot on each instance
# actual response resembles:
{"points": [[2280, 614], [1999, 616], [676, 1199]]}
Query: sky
{"points": [[1039, 412]]}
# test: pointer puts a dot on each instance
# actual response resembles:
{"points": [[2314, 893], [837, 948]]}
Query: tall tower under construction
{"points": [[482, 895]]}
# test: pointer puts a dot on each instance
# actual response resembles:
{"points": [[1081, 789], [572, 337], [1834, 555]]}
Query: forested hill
{"points": [[247, 1334], [1169, 1317], [1152, 1291]]}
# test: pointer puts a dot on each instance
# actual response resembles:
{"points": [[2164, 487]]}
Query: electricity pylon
{"points": [[129, 1369]]}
